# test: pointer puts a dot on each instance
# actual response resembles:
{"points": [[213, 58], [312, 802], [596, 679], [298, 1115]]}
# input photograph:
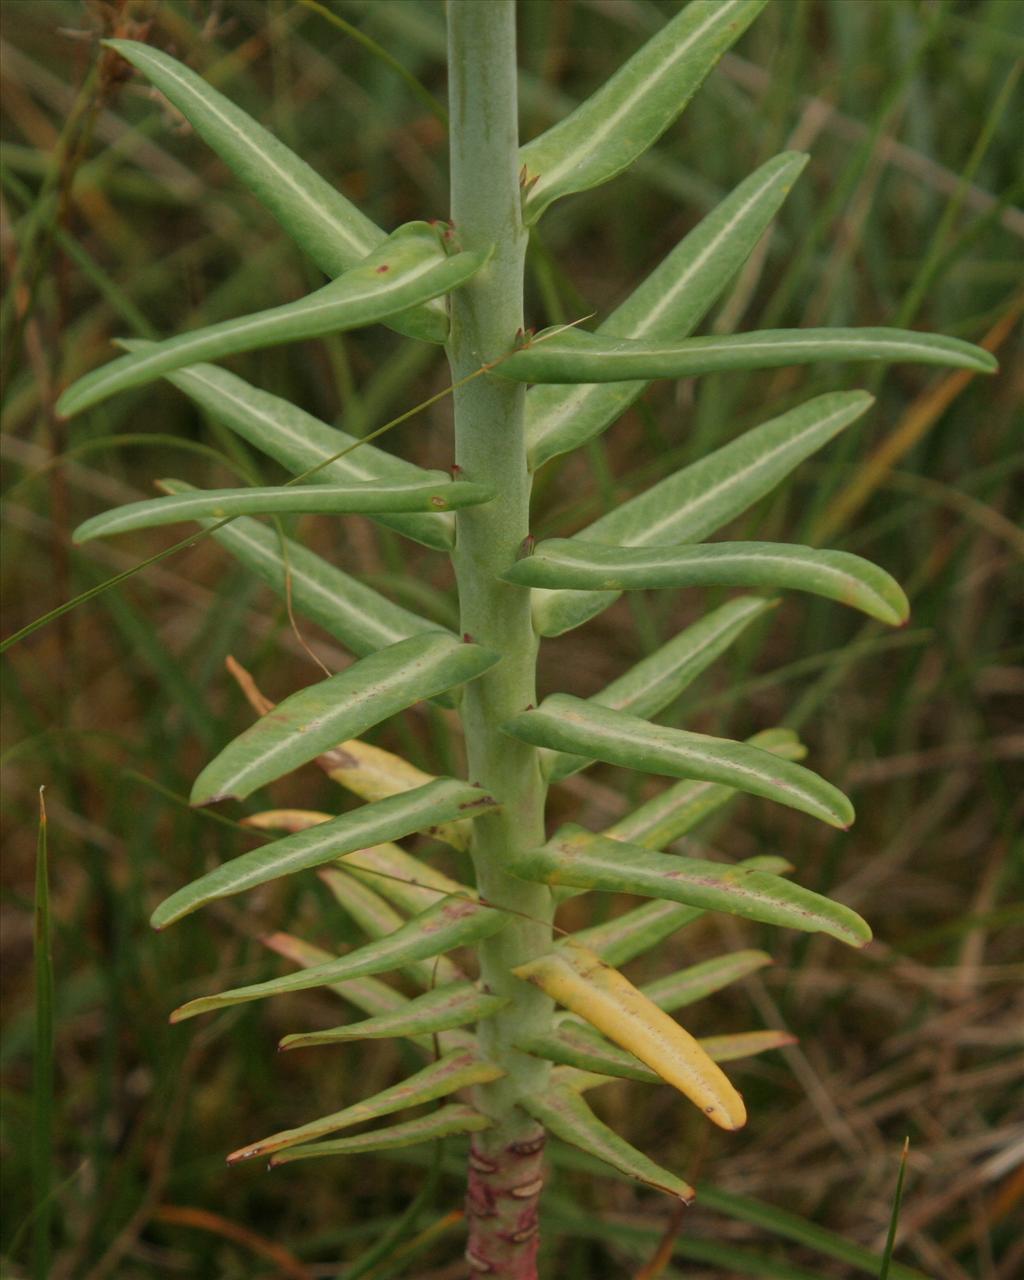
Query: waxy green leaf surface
{"points": [[578, 858], [630, 112], [453, 1005], [576, 356], [566, 723], [369, 995], [439, 929], [344, 706], [445, 1076], [389, 819], [670, 303], [591, 566], [318, 218], [407, 882], [357, 615], [409, 267], [445, 1122], [691, 504]]}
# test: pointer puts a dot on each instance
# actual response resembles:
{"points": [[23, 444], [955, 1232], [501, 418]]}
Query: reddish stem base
{"points": [[501, 1206]]}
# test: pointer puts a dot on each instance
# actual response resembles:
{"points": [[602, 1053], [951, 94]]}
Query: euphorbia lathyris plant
{"points": [[547, 1017]]}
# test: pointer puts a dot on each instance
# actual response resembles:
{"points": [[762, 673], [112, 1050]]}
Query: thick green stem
{"points": [[491, 448]]}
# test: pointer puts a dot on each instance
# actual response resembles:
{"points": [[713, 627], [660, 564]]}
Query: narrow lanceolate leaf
{"points": [[361, 618], [564, 1113], [636, 932], [321, 221], [578, 858], [300, 442], [373, 773], [693, 503], [687, 986], [445, 1076], [369, 995], [590, 566], [656, 681], [570, 724], [445, 1122], [678, 809], [439, 929], [628, 114], [409, 883], [408, 268], [383, 820], [377, 918], [575, 356], [574, 1045], [441, 494], [343, 706], [453, 1005], [579, 979], [670, 303]]}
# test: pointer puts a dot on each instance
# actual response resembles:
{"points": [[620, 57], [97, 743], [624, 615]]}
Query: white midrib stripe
{"points": [[611, 122], [318, 211], [737, 343]]}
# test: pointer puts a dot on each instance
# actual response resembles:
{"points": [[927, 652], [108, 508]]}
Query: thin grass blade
{"points": [[43, 1074]]}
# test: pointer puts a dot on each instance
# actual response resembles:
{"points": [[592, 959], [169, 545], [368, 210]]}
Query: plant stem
{"points": [[490, 448]]}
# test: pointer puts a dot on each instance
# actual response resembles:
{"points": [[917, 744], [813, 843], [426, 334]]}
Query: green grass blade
{"points": [[343, 706], [701, 498], [409, 267], [894, 1218], [42, 1062], [371, 824], [656, 681], [439, 495], [317, 217], [635, 932], [576, 857], [447, 1075], [565, 1114], [431, 933], [678, 809], [445, 1122], [628, 114], [361, 618], [567, 723], [670, 303], [453, 1005], [835, 575], [302, 442], [575, 356]]}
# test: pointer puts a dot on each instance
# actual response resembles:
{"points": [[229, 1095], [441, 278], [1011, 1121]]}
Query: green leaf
{"points": [[343, 706], [578, 858], [564, 1113], [439, 929], [445, 1122], [409, 883], [836, 575], [377, 918], [656, 681], [361, 618], [570, 724], [389, 819], [301, 442], [575, 356], [580, 980], [630, 112], [694, 502], [370, 995], [321, 221], [678, 809], [445, 1076], [745, 1044], [409, 267], [313, 499], [453, 1005], [670, 303], [687, 986], [638, 931]]}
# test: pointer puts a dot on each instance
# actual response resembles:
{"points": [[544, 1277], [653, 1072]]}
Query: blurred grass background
{"points": [[116, 221]]}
